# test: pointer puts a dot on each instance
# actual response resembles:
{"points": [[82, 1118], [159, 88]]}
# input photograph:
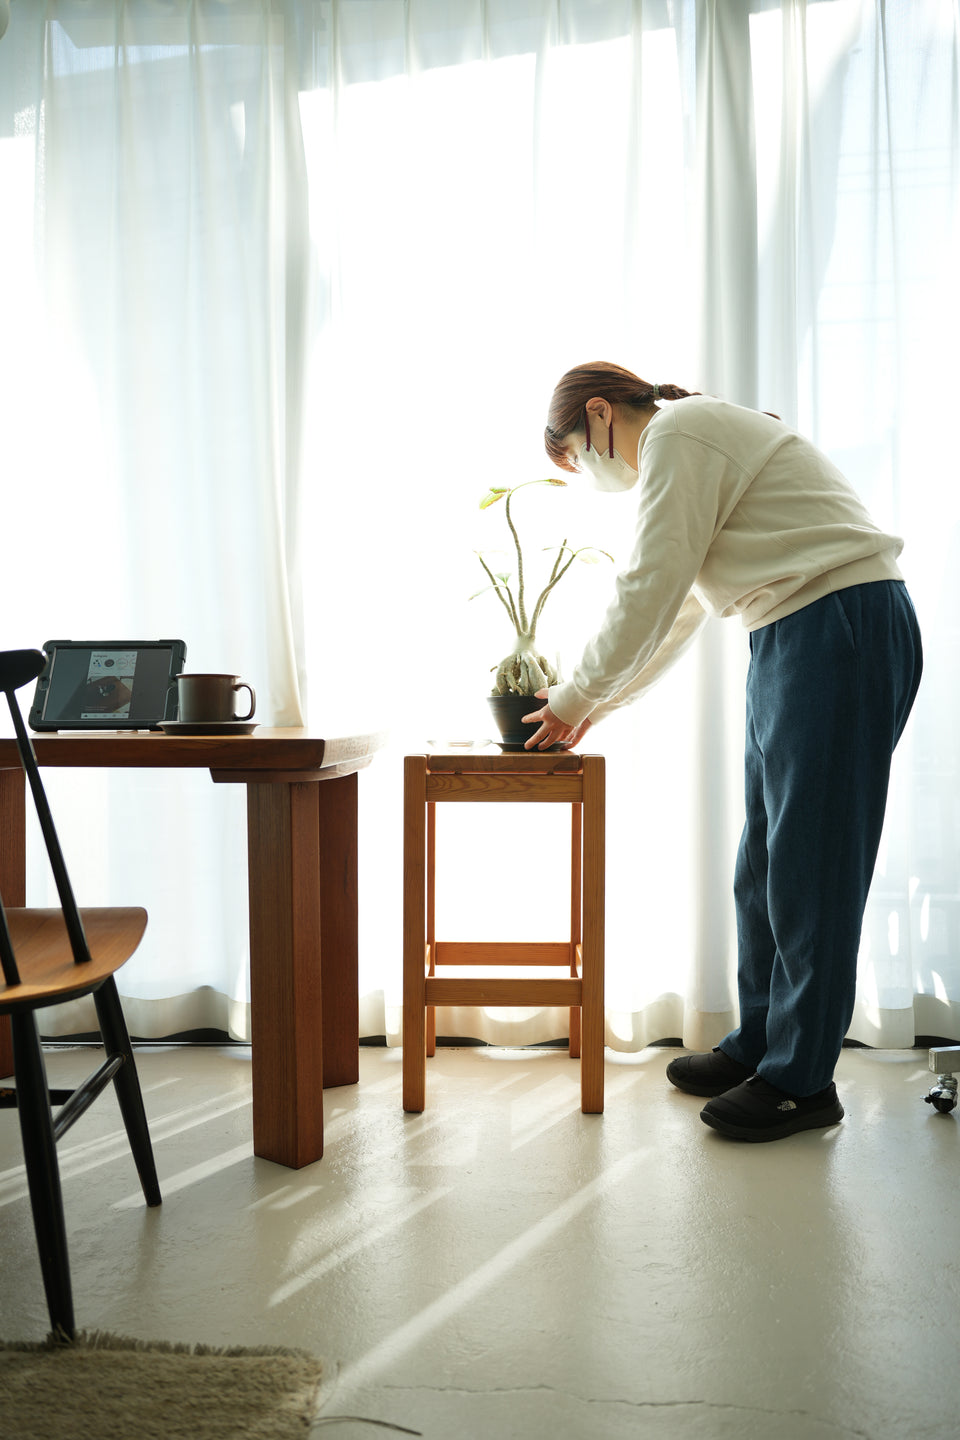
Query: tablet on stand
{"points": [[107, 684]]}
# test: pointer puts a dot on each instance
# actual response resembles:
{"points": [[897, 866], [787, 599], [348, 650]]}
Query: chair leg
{"points": [[414, 1063], [116, 1041], [43, 1173]]}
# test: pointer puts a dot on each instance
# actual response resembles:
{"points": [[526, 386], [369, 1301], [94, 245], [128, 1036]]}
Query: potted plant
{"points": [[524, 669]]}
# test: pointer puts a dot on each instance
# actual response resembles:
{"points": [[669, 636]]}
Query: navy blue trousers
{"points": [[829, 690]]}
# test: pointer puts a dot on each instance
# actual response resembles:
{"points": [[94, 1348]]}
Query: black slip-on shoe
{"points": [[711, 1074], [756, 1110]]}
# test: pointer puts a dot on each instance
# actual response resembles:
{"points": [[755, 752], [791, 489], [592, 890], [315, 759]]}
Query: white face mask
{"points": [[607, 472]]}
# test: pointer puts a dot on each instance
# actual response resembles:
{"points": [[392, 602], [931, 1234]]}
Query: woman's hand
{"points": [[553, 730]]}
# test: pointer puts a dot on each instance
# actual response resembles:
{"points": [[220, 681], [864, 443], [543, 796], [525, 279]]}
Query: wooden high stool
{"points": [[561, 778]]}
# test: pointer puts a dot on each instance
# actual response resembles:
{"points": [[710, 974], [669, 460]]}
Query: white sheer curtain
{"points": [[293, 283], [146, 357]]}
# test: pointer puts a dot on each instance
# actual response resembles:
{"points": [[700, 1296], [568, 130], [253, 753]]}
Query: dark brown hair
{"points": [[609, 382]]}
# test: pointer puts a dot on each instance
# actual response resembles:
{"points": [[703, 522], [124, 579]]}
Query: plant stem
{"points": [[555, 579], [500, 587], [516, 540]]}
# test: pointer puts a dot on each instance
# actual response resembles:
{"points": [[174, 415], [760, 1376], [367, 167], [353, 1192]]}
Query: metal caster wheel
{"points": [[943, 1096], [944, 1103]]}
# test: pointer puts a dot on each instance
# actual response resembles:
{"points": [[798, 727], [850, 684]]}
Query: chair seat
{"points": [[45, 960]]}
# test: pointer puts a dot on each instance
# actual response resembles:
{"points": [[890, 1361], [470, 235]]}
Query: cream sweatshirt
{"points": [[738, 515]]}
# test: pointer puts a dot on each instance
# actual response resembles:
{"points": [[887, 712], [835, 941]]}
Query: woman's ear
{"points": [[600, 408]]}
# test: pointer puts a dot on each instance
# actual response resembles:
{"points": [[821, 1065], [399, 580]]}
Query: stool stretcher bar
{"points": [[490, 952]]}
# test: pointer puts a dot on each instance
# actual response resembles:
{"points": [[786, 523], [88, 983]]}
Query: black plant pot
{"points": [[508, 712]]}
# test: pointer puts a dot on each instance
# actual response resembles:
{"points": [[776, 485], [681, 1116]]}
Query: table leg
{"points": [[338, 930], [13, 874], [283, 857], [302, 858]]}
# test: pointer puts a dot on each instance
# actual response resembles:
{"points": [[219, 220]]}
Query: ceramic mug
{"points": [[210, 699]]}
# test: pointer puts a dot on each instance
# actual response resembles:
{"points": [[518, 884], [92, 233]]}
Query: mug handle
{"points": [[253, 700]]}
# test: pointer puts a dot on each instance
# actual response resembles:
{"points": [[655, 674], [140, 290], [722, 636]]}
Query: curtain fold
{"points": [[289, 285]]}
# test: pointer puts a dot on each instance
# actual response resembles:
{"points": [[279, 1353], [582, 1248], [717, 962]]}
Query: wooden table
{"points": [[302, 865]]}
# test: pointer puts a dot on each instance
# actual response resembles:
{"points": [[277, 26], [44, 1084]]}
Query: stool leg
{"points": [[432, 918], [414, 932], [591, 1063], [576, 912]]}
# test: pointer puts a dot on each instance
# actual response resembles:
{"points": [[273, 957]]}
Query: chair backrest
{"points": [[19, 668]]}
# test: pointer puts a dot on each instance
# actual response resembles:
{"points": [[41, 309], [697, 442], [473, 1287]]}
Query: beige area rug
{"points": [[105, 1387]]}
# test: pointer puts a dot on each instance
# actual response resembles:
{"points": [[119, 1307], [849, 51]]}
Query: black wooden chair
{"points": [[48, 956]]}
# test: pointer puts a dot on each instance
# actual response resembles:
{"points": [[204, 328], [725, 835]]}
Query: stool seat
{"points": [[495, 777]]}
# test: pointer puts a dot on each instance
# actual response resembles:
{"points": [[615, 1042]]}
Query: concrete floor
{"points": [[503, 1266]]}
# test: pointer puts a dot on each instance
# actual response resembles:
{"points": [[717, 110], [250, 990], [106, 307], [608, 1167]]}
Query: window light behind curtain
{"points": [[293, 284]]}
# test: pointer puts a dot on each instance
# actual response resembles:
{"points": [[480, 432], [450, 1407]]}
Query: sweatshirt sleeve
{"points": [[685, 629], [653, 617]]}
